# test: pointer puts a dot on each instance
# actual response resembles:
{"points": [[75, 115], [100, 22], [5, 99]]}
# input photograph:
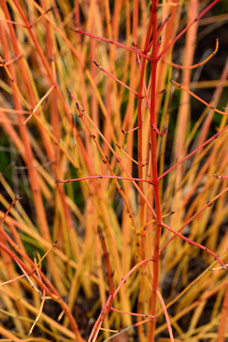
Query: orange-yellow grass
{"points": [[51, 148]]}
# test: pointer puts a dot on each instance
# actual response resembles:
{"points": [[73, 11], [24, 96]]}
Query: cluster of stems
{"points": [[100, 146]]}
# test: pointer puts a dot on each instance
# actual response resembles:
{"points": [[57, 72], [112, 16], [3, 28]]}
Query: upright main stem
{"points": [[141, 299], [154, 173]]}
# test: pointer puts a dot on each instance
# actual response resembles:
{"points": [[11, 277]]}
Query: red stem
{"points": [[154, 174], [166, 316], [114, 78], [45, 288], [107, 262], [102, 177], [9, 208], [142, 67], [188, 26], [208, 204], [109, 41], [193, 243], [133, 314], [193, 152]]}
